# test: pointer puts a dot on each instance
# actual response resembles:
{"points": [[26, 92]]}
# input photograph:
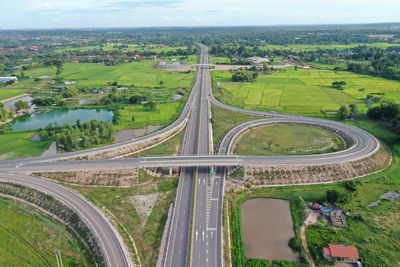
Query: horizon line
{"points": [[197, 26]]}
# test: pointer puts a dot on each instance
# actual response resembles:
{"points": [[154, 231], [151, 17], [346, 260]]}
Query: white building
{"points": [[7, 79]]}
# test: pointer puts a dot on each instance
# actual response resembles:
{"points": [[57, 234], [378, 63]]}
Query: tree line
{"points": [[78, 136]]}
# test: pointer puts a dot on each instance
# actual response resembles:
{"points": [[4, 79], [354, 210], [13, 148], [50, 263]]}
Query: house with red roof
{"points": [[341, 253]]}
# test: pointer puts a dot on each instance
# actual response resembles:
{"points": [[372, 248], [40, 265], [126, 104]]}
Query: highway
{"points": [[197, 214], [178, 238], [205, 246]]}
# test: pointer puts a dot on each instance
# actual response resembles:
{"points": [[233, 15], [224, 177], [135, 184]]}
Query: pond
{"points": [[40, 119], [267, 229]]}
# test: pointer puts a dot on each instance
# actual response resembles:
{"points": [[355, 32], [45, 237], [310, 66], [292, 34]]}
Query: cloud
{"points": [[124, 5]]}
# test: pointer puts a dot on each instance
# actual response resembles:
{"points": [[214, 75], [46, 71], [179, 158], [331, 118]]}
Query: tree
{"points": [[332, 196], [353, 111], [133, 118], [21, 105], [387, 110], [343, 112], [244, 75], [5, 128], [150, 106], [161, 83], [137, 99], [339, 85]]}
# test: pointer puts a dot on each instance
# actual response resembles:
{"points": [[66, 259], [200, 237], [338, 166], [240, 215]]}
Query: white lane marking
{"points": [[203, 234], [197, 235]]}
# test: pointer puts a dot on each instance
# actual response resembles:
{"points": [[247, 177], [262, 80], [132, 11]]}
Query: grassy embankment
{"points": [[288, 139], [141, 212], [29, 238]]}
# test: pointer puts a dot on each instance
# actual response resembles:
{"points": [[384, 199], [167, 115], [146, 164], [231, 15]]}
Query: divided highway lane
{"points": [[179, 235], [205, 246], [110, 241]]}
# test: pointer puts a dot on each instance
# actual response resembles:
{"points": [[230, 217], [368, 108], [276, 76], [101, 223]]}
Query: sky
{"points": [[17, 14]]}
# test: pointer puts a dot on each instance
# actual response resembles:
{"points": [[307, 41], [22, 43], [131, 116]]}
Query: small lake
{"points": [[267, 228], [40, 119]]}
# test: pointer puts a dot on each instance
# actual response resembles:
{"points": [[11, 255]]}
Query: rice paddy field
{"points": [[306, 92], [140, 74], [29, 238], [8, 93]]}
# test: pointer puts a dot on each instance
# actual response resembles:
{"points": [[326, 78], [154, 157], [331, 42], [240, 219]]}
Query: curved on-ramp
{"points": [[114, 252]]}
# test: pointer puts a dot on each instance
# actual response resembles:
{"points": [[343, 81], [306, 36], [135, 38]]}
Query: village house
{"points": [[341, 253]]}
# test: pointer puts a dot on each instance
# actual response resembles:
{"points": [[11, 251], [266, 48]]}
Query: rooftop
{"points": [[341, 251]]}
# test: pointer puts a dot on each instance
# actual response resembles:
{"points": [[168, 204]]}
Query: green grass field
{"points": [[224, 120], [307, 92], [29, 238], [20, 145], [298, 47], [139, 74], [165, 114], [11, 92], [288, 139]]}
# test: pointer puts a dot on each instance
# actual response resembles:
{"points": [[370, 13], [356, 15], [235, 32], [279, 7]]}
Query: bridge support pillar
{"points": [[170, 171]]}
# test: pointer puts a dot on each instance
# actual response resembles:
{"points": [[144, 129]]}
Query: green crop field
{"points": [[20, 145], [298, 47], [165, 114], [10, 92], [288, 139], [29, 238], [139, 74], [307, 92]]}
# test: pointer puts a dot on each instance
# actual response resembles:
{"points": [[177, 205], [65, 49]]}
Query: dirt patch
{"points": [[123, 178], [144, 205], [267, 228]]}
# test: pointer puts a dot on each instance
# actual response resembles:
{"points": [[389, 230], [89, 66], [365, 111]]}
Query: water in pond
{"points": [[39, 120], [267, 228]]}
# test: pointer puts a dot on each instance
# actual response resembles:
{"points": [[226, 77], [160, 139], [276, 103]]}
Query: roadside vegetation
{"points": [[224, 120], [138, 212], [29, 238], [171, 147]]}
